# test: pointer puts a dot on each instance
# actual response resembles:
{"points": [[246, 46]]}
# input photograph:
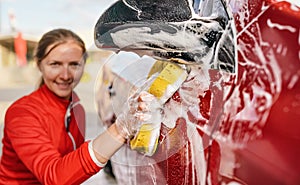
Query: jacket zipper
{"points": [[68, 121]]}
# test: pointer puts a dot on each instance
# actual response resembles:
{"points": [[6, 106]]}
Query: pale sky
{"points": [[34, 17]]}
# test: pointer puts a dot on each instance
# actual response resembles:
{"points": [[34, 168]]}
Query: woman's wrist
{"points": [[101, 162], [115, 132], [107, 143]]}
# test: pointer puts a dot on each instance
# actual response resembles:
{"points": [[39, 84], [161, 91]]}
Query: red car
{"points": [[249, 131]]}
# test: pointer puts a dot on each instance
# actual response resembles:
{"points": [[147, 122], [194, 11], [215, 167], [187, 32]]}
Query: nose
{"points": [[65, 73]]}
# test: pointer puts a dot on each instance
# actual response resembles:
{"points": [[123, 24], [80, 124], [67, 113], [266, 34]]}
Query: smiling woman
{"points": [[44, 132], [62, 63]]}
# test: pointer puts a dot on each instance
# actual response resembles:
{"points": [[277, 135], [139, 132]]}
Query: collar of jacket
{"points": [[74, 98]]}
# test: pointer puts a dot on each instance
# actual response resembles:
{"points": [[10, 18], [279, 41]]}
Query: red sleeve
{"points": [[35, 149]]}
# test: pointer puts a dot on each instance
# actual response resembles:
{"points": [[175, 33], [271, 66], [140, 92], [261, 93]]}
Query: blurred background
{"points": [[22, 23], [34, 17]]}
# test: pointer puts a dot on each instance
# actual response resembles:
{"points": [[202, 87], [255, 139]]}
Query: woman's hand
{"points": [[140, 108]]}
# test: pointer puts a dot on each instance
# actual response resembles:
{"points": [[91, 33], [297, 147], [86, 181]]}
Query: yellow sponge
{"points": [[146, 140], [167, 82], [170, 78]]}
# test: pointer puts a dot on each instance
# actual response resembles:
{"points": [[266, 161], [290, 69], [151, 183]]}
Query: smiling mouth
{"points": [[64, 85]]}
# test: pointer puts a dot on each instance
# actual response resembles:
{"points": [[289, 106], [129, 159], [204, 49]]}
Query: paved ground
{"points": [[16, 82]]}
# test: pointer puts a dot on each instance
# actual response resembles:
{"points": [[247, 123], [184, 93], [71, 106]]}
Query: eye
{"points": [[75, 64], [54, 64]]}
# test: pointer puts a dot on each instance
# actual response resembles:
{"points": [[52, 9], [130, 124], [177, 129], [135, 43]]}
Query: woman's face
{"points": [[63, 68]]}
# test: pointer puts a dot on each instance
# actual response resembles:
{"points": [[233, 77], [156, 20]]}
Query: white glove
{"points": [[140, 108]]}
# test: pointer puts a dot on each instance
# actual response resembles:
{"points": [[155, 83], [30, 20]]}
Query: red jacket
{"points": [[36, 146]]}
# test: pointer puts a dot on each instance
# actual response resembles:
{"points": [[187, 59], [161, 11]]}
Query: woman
{"points": [[43, 139]]}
